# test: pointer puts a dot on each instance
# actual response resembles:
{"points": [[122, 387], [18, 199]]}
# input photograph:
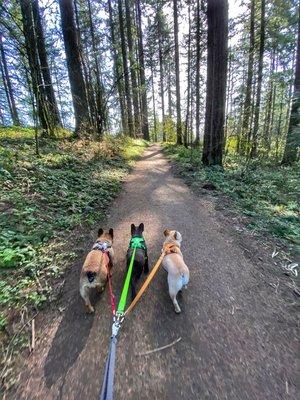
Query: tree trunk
{"points": [[100, 101], [8, 86], [34, 65], [269, 103], [153, 100], [249, 84], [253, 152], [40, 42], [118, 69], [144, 106], [198, 57], [186, 127], [134, 81], [85, 70], [217, 49], [161, 72], [125, 70], [292, 144], [177, 69], [80, 102]]}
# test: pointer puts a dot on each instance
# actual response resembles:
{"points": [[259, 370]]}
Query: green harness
{"points": [[137, 242]]}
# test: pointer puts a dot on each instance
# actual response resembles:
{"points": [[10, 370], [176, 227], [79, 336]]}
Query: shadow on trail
{"points": [[69, 341], [155, 153]]}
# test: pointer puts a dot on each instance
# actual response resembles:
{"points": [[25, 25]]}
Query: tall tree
{"points": [[117, 68], [188, 90], [43, 58], [79, 96], [125, 70], [217, 49], [34, 65], [249, 83], [144, 108], [8, 85], [132, 61], [99, 95], [177, 69], [161, 68], [254, 144], [198, 58], [293, 135]]}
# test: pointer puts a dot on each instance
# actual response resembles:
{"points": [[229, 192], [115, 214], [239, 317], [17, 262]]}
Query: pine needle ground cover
{"points": [[43, 200], [267, 195]]}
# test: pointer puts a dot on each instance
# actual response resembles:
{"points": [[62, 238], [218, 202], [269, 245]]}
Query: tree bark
{"points": [[80, 102], [292, 144], [198, 57], [101, 117], [161, 71], [144, 105], [118, 69], [40, 42], [253, 152], [125, 71], [34, 65], [217, 49], [186, 126], [177, 69], [249, 84], [8, 86], [132, 61], [269, 104]]}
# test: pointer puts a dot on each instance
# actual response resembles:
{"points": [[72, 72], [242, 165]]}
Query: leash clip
{"points": [[118, 320]]}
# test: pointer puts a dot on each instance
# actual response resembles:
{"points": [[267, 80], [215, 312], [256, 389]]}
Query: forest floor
{"points": [[238, 327]]}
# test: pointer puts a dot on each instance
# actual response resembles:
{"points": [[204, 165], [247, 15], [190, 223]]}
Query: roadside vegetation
{"points": [[43, 199], [267, 195]]}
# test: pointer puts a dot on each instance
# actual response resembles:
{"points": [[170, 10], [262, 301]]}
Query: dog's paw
{"points": [[178, 310]]}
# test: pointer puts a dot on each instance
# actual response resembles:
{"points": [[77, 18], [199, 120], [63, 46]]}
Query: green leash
{"points": [[136, 242], [123, 299]]}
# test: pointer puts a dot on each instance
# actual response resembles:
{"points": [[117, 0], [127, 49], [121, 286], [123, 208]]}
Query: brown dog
{"points": [[96, 267]]}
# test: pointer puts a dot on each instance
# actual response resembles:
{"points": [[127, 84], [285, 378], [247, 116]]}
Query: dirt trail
{"points": [[238, 341]]}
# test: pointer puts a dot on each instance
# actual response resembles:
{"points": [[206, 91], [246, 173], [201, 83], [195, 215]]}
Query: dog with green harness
{"points": [[140, 263]]}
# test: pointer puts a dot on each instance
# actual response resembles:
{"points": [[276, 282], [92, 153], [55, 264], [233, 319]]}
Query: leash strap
{"points": [[111, 293], [147, 281], [123, 299], [108, 380], [109, 372]]}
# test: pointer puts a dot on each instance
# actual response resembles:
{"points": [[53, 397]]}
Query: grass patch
{"points": [[43, 199], [267, 194]]}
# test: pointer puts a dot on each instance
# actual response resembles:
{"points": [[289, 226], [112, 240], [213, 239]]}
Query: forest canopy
{"points": [[167, 70]]}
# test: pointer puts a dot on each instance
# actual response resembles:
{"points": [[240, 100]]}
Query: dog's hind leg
{"points": [[84, 292], [133, 283], [146, 269], [175, 302]]}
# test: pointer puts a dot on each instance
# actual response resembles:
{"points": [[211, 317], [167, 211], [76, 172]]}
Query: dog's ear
{"points": [[141, 227], [111, 232], [167, 232], [132, 229], [100, 232], [177, 236]]}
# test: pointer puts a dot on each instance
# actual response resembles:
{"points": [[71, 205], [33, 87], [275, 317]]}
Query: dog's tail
{"points": [[91, 276]]}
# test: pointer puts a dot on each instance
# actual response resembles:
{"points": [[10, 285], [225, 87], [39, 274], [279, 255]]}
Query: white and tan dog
{"points": [[178, 272]]}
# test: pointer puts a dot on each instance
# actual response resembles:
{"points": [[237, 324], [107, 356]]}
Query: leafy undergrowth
{"points": [[45, 198], [267, 195]]}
